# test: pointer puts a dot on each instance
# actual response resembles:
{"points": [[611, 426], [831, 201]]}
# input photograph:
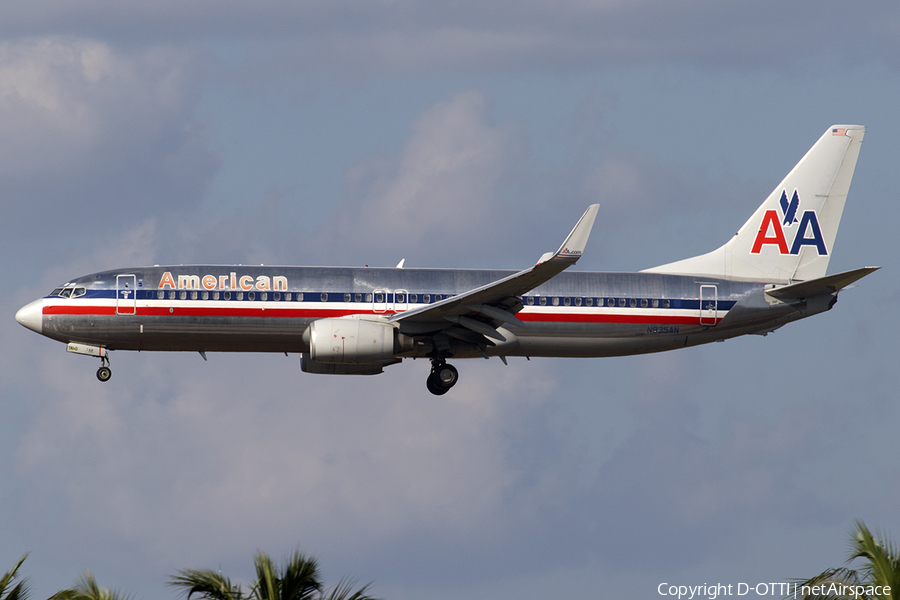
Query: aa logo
{"points": [[806, 233]]}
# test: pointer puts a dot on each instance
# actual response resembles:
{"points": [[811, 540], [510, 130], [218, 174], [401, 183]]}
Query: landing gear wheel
{"points": [[434, 386], [442, 377], [104, 373]]}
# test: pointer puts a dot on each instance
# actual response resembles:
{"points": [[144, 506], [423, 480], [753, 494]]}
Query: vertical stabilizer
{"points": [[791, 235]]}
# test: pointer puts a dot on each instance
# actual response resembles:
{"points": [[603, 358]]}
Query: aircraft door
{"points": [[126, 295], [379, 301], [709, 305]]}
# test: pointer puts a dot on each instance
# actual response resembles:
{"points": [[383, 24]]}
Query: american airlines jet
{"points": [[357, 321]]}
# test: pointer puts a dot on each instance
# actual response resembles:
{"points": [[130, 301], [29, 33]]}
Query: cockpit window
{"points": [[66, 293], [56, 292], [79, 291]]}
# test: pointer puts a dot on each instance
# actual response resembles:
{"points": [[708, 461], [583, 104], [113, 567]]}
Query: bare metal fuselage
{"points": [[267, 309]]}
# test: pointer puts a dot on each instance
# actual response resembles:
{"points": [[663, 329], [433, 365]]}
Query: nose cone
{"points": [[31, 314]]}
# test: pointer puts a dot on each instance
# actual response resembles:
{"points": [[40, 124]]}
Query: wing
{"points": [[479, 309]]}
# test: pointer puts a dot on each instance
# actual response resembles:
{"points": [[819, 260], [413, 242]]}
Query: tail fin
{"points": [[791, 235]]}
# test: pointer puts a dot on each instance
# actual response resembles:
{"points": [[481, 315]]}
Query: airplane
{"points": [[357, 321]]}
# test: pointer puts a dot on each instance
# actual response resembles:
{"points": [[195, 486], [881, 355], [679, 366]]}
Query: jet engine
{"points": [[348, 340]]}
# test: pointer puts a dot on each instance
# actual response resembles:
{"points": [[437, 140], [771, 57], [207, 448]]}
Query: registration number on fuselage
{"points": [[662, 329]]}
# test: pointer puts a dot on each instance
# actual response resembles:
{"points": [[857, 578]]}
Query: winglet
{"points": [[574, 245]]}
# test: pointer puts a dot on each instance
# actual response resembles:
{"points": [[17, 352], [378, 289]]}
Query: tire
{"points": [[434, 386], [104, 373]]}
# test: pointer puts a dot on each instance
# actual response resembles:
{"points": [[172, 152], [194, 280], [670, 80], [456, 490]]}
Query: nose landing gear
{"points": [[442, 377], [104, 372]]}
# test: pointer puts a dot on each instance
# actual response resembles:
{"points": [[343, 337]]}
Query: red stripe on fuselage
{"points": [[324, 313]]}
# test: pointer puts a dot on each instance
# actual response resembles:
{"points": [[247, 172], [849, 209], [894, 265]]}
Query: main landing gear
{"points": [[442, 377], [104, 372]]}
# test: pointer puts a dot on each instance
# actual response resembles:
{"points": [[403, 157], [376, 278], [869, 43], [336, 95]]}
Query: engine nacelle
{"points": [[348, 340]]}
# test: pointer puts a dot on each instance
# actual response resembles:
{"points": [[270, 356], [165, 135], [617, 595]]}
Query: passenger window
{"points": [[299, 296], [182, 295], [401, 298], [323, 297], [622, 302], [379, 298], [555, 301], [276, 296], [228, 295], [264, 296], [567, 301], [643, 303], [426, 298], [346, 297], [251, 295], [665, 304], [160, 295], [357, 297], [193, 295], [588, 301], [577, 301], [655, 303], [215, 295], [543, 300], [368, 297], [413, 298], [240, 295], [632, 303], [171, 294], [530, 300], [437, 297]]}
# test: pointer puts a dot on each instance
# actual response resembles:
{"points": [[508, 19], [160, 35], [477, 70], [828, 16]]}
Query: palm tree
{"points": [[877, 579], [86, 588], [297, 579], [20, 592]]}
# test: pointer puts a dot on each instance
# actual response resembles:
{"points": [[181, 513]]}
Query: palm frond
{"points": [[20, 591], [344, 591], [87, 588], [882, 567], [300, 578], [879, 572], [207, 583], [267, 580]]}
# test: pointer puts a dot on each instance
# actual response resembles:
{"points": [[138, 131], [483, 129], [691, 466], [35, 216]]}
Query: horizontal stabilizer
{"points": [[820, 286]]}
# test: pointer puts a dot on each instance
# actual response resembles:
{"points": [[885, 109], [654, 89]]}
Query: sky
{"points": [[454, 134]]}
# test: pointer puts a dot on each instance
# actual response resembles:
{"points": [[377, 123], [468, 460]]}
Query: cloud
{"points": [[93, 139], [182, 459], [417, 36], [441, 191]]}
